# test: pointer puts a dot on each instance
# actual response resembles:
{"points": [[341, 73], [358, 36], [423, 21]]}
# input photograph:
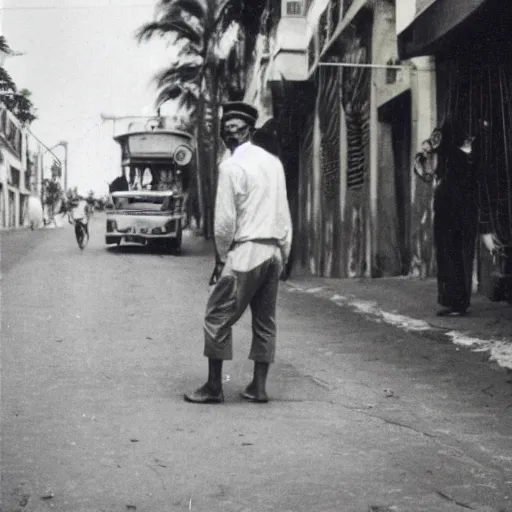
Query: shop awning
{"points": [[437, 26]]}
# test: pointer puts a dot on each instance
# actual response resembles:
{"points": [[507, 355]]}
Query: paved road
{"points": [[99, 345]]}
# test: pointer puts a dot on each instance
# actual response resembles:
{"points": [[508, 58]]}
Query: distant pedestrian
{"points": [[253, 235], [34, 212]]}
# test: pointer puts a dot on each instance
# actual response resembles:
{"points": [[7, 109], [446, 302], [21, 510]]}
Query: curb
{"points": [[498, 349]]}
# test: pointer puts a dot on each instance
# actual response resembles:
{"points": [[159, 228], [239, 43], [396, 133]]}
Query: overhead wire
{"points": [[85, 134]]}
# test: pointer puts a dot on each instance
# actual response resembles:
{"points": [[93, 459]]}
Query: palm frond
{"points": [[195, 8], [227, 13], [4, 47], [180, 28], [186, 96], [226, 41], [170, 92], [6, 81], [188, 51], [182, 73]]}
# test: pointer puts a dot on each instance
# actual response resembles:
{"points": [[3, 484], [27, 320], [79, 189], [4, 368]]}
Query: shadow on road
{"points": [[193, 246], [149, 250]]}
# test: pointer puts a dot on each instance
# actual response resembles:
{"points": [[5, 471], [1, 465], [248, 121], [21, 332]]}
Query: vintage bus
{"points": [[148, 200]]}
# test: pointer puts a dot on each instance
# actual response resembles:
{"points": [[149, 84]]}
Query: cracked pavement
{"points": [[98, 347]]}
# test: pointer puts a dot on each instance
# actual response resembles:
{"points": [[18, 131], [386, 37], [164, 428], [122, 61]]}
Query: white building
{"points": [[14, 179], [21, 161]]}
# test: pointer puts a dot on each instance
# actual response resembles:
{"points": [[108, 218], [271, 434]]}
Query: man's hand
{"points": [[492, 243], [217, 272]]}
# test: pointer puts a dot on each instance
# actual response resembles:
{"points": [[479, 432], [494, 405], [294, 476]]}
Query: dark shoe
{"points": [[261, 399], [204, 396]]}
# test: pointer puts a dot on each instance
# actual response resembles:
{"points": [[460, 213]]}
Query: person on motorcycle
{"points": [[79, 212]]}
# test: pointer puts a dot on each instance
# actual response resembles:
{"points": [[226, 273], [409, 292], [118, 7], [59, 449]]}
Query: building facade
{"points": [[15, 181], [25, 164], [352, 115], [471, 43]]}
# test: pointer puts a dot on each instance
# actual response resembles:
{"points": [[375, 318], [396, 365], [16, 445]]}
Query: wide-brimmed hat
{"points": [[239, 110]]}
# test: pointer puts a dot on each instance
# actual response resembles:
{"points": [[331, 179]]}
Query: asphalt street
{"points": [[98, 347]]}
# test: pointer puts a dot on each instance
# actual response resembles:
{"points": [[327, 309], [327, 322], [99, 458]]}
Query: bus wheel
{"points": [[175, 243]]}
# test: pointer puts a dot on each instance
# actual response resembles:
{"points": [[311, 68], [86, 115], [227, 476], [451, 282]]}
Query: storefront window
{"points": [[15, 177]]}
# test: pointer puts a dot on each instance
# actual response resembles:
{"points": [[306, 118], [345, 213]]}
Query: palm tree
{"points": [[18, 102], [23, 108], [6, 81], [214, 40]]}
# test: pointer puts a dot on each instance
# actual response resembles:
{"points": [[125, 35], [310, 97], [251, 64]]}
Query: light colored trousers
{"points": [[233, 293]]}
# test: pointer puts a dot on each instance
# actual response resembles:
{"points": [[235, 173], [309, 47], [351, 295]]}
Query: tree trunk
{"points": [[211, 140], [202, 164]]}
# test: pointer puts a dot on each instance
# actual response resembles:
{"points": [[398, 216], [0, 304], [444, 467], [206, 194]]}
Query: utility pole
{"points": [[64, 144]]}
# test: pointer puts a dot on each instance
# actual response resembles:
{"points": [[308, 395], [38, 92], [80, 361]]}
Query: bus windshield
{"points": [[142, 202]]}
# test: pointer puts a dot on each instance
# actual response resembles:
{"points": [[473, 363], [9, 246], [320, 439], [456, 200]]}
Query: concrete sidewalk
{"points": [[411, 303]]}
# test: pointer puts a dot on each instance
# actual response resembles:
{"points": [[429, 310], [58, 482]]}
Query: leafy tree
{"points": [[56, 170], [52, 193], [6, 82], [4, 46], [18, 102], [215, 39], [22, 107]]}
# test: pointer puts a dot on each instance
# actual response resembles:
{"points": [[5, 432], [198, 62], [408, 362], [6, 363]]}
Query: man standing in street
{"points": [[253, 234]]}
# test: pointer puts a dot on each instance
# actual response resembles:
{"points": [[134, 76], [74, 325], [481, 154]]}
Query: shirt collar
{"points": [[242, 146]]}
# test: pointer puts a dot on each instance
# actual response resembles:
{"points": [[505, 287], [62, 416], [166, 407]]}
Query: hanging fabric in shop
{"points": [[356, 104], [477, 90], [305, 190], [329, 112]]}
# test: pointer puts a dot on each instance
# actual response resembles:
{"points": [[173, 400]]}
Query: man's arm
{"points": [[285, 244], [225, 212]]}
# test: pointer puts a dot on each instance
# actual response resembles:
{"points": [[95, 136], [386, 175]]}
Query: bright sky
{"points": [[81, 59]]}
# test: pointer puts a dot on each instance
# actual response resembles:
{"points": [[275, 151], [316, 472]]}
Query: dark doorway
{"points": [[398, 114]]}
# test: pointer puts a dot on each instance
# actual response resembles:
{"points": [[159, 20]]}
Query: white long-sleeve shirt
{"points": [[80, 212], [252, 203]]}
